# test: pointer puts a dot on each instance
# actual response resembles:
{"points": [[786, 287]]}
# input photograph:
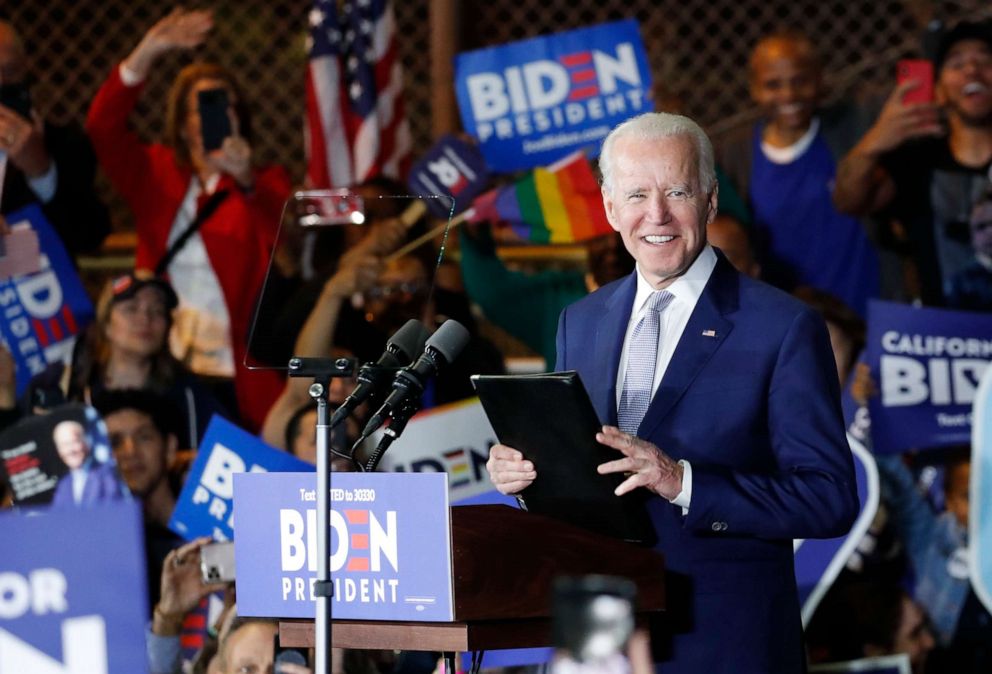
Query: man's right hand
{"points": [[898, 122], [179, 29], [509, 472]]}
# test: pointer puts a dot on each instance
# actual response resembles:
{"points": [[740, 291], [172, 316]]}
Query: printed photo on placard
{"points": [[60, 458]]}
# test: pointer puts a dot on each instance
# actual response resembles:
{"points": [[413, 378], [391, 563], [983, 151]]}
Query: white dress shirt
{"points": [[686, 291]]}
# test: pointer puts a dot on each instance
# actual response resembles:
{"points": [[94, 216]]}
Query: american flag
{"points": [[356, 128]]}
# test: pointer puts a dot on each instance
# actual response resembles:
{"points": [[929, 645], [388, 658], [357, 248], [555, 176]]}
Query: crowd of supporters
{"points": [[838, 205]]}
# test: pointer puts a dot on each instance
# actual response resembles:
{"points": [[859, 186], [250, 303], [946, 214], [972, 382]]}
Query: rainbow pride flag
{"points": [[558, 204]]}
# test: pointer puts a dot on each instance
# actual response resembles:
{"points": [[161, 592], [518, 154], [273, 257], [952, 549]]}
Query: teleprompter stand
{"points": [[322, 370]]}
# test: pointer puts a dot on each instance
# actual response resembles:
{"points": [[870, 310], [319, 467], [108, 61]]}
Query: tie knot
{"points": [[658, 300]]}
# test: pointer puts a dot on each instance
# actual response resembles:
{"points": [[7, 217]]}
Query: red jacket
{"points": [[238, 236]]}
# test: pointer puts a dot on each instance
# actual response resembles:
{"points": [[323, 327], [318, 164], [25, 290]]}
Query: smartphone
{"points": [[918, 70], [316, 208], [17, 97], [217, 562], [215, 125], [281, 655]]}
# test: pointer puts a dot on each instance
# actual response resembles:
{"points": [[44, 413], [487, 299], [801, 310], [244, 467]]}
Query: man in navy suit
{"points": [[742, 443], [87, 481]]}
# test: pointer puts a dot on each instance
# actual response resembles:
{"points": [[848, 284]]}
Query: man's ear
{"points": [[608, 204], [171, 448], [714, 200]]}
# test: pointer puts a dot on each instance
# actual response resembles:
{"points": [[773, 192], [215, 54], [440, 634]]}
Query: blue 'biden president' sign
{"points": [[73, 597], [532, 102]]}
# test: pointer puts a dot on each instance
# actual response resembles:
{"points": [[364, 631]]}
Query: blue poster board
{"points": [[927, 364], [42, 313], [73, 596], [532, 102], [206, 504]]}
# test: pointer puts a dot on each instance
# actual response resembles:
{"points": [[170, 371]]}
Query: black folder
{"points": [[551, 421]]}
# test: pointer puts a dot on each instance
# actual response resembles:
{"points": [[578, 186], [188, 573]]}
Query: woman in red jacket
{"points": [[207, 218]]}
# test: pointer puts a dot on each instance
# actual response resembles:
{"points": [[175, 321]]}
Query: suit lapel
{"points": [[609, 340], [704, 333]]}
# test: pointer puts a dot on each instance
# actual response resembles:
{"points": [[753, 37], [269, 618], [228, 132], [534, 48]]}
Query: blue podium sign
{"points": [[390, 546]]}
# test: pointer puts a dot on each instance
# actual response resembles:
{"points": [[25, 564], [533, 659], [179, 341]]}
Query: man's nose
{"points": [[658, 208]]}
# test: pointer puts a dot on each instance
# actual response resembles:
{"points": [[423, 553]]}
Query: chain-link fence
{"points": [[698, 50]]}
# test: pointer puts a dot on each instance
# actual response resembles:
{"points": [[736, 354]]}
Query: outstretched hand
{"points": [[644, 464], [182, 587], [179, 29]]}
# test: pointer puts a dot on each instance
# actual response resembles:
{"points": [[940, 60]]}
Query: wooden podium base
{"points": [[482, 635]]}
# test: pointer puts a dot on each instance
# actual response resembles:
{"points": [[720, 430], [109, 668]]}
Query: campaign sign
{"points": [[927, 364], [818, 562], [453, 439], [37, 452], [390, 546], [452, 168], [206, 503], [533, 102], [980, 495], [73, 598], [42, 312]]}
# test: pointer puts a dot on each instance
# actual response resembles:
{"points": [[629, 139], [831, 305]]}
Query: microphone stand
{"points": [[322, 369]]}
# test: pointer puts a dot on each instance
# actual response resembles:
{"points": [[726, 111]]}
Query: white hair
{"points": [[655, 125]]}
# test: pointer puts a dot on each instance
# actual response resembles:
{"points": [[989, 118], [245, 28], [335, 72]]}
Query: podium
{"points": [[504, 563]]}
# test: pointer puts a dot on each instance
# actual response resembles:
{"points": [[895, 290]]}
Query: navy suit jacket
{"points": [[102, 484], [751, 400]]}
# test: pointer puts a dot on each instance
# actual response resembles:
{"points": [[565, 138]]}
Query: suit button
{"points": [[718, 526]]}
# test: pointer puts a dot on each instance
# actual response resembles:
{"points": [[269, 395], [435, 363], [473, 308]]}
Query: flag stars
{"points": [[316, 17], [356, 90]]}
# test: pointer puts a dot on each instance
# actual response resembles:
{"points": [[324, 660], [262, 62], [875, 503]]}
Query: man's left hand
{"points": [[644, 464], [24, 142]]}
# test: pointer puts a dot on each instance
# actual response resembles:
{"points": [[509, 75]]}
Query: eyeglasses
{"points": [[409, 289]]}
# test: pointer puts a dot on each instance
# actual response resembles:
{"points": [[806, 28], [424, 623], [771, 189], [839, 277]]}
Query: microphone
{"points": [[408, 386], [400, 350]]}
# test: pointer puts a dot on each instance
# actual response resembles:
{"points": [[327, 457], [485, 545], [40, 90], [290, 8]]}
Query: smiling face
{"points": [[656, 202], [785, 83], [138, 325], [964, 84], [70, 443]]}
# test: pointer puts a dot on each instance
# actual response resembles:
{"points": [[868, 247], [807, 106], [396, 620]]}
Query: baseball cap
{"points": [[965, 30], [127, 286]]}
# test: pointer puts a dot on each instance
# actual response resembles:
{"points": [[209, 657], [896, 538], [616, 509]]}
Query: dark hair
{"points": [[965, 30], [835, 311], [293, 425], [852, 616], [176, 112], [236, 624], [158, 408], [92, 352]]}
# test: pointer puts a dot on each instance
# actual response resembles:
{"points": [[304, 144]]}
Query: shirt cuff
{"points": [[129, 77], [163, 652], [44, 185], [684, 497]]}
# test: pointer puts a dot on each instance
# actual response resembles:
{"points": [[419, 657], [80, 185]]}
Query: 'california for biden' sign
{"points": [[532, 102], [927, 364]]}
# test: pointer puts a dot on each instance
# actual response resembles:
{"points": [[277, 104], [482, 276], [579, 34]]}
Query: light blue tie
{"points": [[642, 354]]}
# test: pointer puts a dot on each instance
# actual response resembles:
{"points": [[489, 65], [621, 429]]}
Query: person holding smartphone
{"points": [[49, 164], [204, 214], [925, 164]]}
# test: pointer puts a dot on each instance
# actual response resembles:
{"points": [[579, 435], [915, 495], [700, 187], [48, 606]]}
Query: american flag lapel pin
{"points": [[709, 333]]}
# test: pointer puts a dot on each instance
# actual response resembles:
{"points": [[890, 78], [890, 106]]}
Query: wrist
{"points": [[165, 623]]}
